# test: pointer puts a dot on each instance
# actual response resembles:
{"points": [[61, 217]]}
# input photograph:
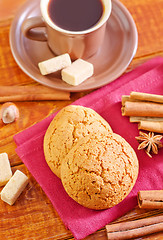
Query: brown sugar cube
{"points": [[54, 64], [5, 169], [14, 187], [77, 72]]}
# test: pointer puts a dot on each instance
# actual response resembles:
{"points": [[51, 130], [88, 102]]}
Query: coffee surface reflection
{"points": [[75, 15]]}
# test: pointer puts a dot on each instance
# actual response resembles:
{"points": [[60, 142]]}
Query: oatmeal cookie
{"points": [[68, 126], [100, 170]]}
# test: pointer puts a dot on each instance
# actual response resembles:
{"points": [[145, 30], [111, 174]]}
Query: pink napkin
{"points": [[107, 102]]}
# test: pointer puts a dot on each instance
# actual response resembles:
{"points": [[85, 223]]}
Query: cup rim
{"points": [[47, 19]]}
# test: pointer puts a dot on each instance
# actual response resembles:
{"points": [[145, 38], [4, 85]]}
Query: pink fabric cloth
{"points": [[107, 102]]}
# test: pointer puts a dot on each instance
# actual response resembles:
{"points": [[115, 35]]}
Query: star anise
{"points": [[149, 142]]}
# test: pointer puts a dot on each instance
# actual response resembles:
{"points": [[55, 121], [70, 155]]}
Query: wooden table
{"points": [[33, 216]]}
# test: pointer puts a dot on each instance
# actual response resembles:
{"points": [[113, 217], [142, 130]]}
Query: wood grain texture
{"points": [[148, 16], [33, 216], [8, 8]]}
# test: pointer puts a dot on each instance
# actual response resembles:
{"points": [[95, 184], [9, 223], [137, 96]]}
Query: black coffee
{"points": [[75, 15]]}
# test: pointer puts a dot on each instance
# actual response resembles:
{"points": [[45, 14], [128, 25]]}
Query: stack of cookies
{"points": [[97, 167]]}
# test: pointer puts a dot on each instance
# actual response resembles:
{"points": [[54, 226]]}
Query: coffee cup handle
{"points": [[29, 31]]}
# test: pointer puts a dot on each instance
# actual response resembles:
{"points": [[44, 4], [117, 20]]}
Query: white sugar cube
{"points": [[5, 169], [77, 72], [14, 187], [54, 64]]}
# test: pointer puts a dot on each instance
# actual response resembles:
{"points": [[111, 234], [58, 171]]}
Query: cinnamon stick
{"points": [[126, 98], [31, 93], [144, 109], [151, 119], [151, 126], [150, 199], [146, 97], [134, 229]]}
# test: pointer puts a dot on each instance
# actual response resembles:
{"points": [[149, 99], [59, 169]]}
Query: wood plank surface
{"points": [[33, 216]]}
